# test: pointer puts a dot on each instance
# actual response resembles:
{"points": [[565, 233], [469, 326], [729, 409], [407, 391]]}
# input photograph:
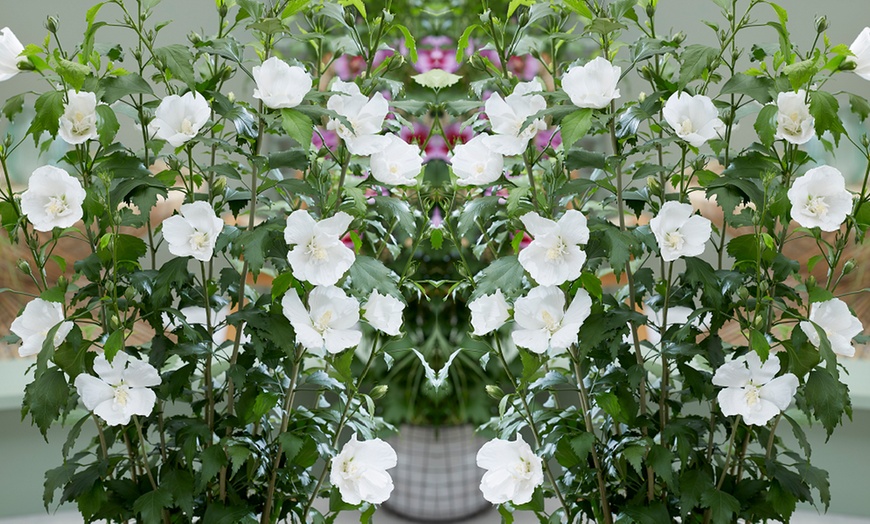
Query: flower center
{"points": [[394, 169], [674, 240], [187, 127], [56, 206], [817, 207], [686, 127], [557, 251], [199, 240], [550, 322], [315, 250], [523, 468], [479, 169], [122, 395], [753, 395], [322, 323], [349, 468], [80, 125]]}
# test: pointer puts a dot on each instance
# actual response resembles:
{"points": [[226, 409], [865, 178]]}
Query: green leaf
{"points": [[107, 125], [13, 106], [515, 4], [436, 79], [655, 513], [575, 126], [179, 61], [463, 42], [757, 87], [359, 4], [293, 7], [722, 505], [758, 343], [291, 445], [825, 109], [49, 108], [693, 484], [150, 506], [297, 126], [858, 105], [827, 398], [800, 73], [410, 43], [505, 274], [368, 273], [579, 7], [45, 397], [113, 344], [213, 459], [765, 124], [695, 60], [73, 73]]}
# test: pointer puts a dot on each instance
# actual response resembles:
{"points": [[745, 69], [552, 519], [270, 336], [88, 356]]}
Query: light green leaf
{"points": [[107, 124], [359, 4], [436, 79], [410, 42], [463, 42], [297, 126], [515, 4], [575, 126]]}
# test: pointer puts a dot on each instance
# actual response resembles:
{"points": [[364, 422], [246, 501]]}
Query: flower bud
{"points": [[822, 24], [379, 391], [810, 282], [655, 187], [865, 141], [194, 37], [114, 322], [24, 266], [758, 321], [62, 282], [130, 293], [849, 266], [219, 185], [494, 391], [109, 286], [388, 17], [223, 9], [25, 65], [743, 292], [231, 96], [349, 18], [51, 24]]}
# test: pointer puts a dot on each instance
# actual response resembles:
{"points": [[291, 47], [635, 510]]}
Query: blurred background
{"points": [[25, 456]]}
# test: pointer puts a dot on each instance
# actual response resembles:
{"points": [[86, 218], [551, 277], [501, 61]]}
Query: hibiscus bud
{"points": [[51, 24], [811, 282], [109, 286], [655, 187], [847, 65], [388, 17], [743, 292], [379, 391], [494, 391], [679, 38], [523, 18], [130, 293], [758, 321], [349, 18], [650, 10], [849, 266], [822, 24], [24, 266], [62, 282], [114, 322], [25, 65], [219, 185], [231, 96], [223, 10], [194, 37], [865, 140]]}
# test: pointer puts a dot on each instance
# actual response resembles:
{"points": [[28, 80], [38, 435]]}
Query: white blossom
{"points": [[365, 115], [794, 124], [475, 164], [179, 118], [593, 85], [53, 199], [513, 471], [543, 323], [838, 324], [359, 471], [751, 390], [693, 118], [679, 231], [554, 256], [508, 116], [33, 325], [861, 49], [329, 322], [10, 54], [384, 313], [194, 231], [121, 389], [280, 85], [195, 316], [820, 199], [397, 164], [677, 315], [78, 123], [489, 313], [318, 255]]}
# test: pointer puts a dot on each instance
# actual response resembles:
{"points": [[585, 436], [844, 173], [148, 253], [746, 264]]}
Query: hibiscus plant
{"points": [[289, 236]]}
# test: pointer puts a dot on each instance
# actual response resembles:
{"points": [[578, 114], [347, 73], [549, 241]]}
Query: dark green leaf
{"points": [[45, 397], [696, 59], [297, 126], [150, 506], [49, 108], [117, 87], [575, 126], [179, 61], [825, 109]]}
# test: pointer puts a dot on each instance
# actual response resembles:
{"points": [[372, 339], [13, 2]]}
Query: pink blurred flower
{"points": [[347, 241], [525, 67], [524, 243], [437, 218], [436, 148], [330, 139], [436, 52], [348, 67], [551, 137], [455, 135]]}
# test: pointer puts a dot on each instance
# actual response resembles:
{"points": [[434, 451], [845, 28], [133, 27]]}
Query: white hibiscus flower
{"points": [[794, 123], [384, 313], [513, 471], [329, 322], [366, 117], [554, 256], [178, 119], [318, 255], [359, 471], [475, 164], [121, 389], [838, 324], [508, 116], [693, 118], [820, 199], [543, 323], [398, 164], [78, 123], [34, 323], [679, 231], [751, 390], [53, 199], [280, 85], [489, 313], [193, 232], [593, 85]]}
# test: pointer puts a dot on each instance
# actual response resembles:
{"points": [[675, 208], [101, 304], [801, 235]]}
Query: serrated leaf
{"points": [[49, 108], [107, 125], [765, 124], [463, 41], [722, 505], [575, 126], [410, 42], [179, 61], [505, 274], [696, 59], [150, 506], [45, 397], [825, 110], [297, 126]]}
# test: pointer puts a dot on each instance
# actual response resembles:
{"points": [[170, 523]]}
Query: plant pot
{"points": [[437, 478]]}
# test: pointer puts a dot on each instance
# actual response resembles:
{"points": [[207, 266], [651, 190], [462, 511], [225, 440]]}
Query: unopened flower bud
{"points": [[51, 24], [231, 96], [194, 37], [130, 293], [743, 292], [114, 322], [223, 9], [494, 391], [109, 286], [349, 18], [219, 185], [24, 266], [655, 187], [822, 24], [758, 321], [25, 65], [849, 266], [810, 282], [379, 391], [62, 282]]}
